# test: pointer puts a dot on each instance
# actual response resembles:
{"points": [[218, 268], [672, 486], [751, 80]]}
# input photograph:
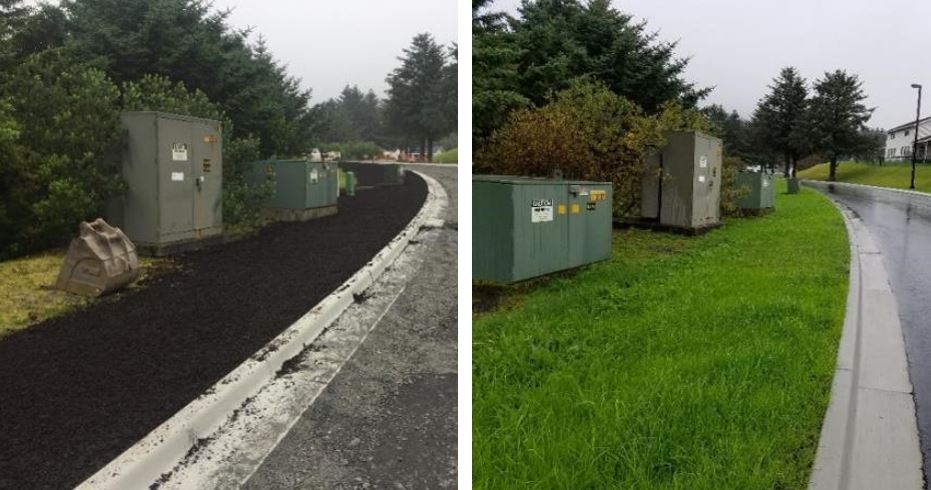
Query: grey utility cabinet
{"points": [[682, 185], [173, 167]]}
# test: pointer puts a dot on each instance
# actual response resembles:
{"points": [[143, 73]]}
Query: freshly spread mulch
{"points": [[78, 390]]}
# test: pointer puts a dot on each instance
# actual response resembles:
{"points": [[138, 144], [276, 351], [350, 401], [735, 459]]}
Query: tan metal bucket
{"points": [[99, 261]]}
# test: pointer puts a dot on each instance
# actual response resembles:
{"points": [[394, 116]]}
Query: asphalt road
{"points": [[388, 419], [901, 226]]}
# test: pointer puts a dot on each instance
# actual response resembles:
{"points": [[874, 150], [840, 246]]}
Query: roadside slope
{"points": [[893, 175], [681, 362]]}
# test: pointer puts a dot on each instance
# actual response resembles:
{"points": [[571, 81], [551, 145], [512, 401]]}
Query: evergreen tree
{"points": [[559, 40], [187, 42], [780, 118], [495, 80], [418, 95], [522, 61], [838, 117], [732, 130]]}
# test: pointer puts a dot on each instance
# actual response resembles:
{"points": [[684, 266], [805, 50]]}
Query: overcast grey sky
{"points": [[329, 43], [739, 46]]}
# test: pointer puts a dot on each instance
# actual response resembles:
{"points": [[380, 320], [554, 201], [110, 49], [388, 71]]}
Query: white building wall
{"points": [[899, 143]]}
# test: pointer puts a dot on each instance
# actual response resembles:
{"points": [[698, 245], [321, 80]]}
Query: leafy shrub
{"points": [[730, 191], [587, 132], [62, 165], [158, 93], [448, 156], [242, 202]]}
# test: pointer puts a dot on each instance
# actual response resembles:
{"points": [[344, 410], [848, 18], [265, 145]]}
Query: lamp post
{"points": [[915, 142]]}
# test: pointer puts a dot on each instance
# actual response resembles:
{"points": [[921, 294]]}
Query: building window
{"points": [[906, 132]]}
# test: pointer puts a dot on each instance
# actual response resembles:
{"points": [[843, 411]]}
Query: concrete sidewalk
{"points": [[870, 436]]}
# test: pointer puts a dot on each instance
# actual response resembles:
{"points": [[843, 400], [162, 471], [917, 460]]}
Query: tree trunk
{"points": [[785, 170], [423, 150], [429, 148], [832, 175], [794, 167]]}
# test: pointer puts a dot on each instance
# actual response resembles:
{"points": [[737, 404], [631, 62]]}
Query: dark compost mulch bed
{"points": [[78, 390]]}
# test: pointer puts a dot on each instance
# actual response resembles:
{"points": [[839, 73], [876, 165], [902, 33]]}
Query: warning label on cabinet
{"points": [[541, 210], [179, 152]]}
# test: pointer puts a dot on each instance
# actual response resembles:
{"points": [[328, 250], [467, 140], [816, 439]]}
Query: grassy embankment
{"points": [[27, 294], [679, 363], [450, 156], [895, 175]]}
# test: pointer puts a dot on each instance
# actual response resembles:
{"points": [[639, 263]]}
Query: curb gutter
{"points": [[147, 461], [869, 439]]}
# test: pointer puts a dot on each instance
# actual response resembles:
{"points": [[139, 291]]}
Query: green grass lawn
{"points": [[896, 175], [27, 293], [693, 363], [449, 156]]}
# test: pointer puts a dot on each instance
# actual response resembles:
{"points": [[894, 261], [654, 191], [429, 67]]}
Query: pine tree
{"points": [[838, 117], [780, 115], [417, 103]]}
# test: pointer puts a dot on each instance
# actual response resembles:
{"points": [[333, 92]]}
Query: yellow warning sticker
{"points": [[598, 195], [562, 209], [575, 208]]}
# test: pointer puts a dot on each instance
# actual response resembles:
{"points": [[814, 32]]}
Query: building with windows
{"points": [[899, 141]]}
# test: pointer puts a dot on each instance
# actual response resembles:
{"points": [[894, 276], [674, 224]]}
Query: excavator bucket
{"points": [[99, 261]]}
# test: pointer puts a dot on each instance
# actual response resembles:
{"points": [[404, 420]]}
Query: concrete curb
{"points": [[153, 457], [869, 439]]}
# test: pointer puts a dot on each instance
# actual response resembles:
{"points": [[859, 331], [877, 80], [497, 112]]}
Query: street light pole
{"points": [[915, 142]]}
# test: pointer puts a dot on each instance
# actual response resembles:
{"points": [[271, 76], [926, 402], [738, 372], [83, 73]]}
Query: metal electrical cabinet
{"points": [[528, 227], [173, 167], [393, 173], [302, 189], [682, 186], [761, 196]]}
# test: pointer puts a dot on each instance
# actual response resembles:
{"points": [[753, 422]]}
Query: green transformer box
{"points": [[173, 168], [393, 173], [762, 196], [528, 227], [301, 189], [347, 182]]}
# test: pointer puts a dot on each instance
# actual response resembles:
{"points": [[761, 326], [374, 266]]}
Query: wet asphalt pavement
{"points": [[901, 226]]}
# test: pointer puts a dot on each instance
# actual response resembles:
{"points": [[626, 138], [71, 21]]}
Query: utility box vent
{"points": [[173, 166], [300, 189], [527, 227], [761, 196], [682, 185]]}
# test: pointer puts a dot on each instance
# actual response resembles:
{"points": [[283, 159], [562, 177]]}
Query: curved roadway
{"points": [[900, 223]]}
